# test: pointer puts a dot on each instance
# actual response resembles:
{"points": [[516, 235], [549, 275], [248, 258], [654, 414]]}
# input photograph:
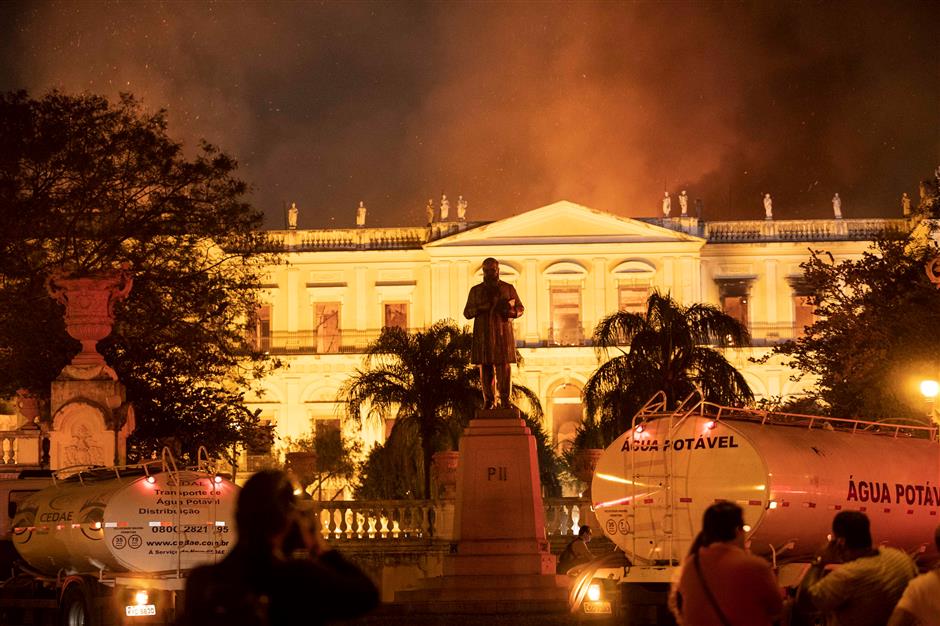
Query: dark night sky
{"points": [[516, 105]]}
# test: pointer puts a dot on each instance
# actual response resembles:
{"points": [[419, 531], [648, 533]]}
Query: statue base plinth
{"points": [[502, 556]]}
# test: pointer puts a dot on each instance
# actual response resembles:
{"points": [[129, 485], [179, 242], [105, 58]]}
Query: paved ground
{"points": [[537, 619]]}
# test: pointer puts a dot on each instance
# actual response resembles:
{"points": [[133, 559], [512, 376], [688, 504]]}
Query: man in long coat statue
{"points": [[492, 305]]}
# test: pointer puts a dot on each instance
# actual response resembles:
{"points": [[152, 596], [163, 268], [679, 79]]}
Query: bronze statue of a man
{"points": [[492, 305]]}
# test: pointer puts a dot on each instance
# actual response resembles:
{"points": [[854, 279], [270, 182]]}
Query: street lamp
{"points": [[929, 389]]}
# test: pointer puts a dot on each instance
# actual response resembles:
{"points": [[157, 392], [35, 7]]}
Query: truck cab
{"points": [[14, 491]]}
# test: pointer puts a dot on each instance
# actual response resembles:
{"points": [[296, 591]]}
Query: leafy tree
{"points": [[426, 381], [875, 335], [550, 465], [334, 456], [88, 185], [424, 378], [589, 435], [667, 348], [392, 471]]}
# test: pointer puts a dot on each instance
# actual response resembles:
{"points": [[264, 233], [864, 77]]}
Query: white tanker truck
{"points": [[112, 546], [790, 473]]}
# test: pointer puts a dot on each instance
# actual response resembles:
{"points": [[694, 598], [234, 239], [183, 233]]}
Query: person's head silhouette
{"points": [[265, 509]]}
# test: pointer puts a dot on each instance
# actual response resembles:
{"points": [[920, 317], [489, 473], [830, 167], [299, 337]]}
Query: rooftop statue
{"points": [[361, 214], [667, 204], [461, 208], [905, 204], [768, 207], [684, 203], [445, 207], [430, 211], [837, 206], [492, 305], [292, 216]]}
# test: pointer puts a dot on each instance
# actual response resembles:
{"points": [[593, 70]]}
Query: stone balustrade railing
{"points": [[363, 238], [20, 448], [311, 342], [356, 341], [732, 231], [347, 239], [803, 230], [424, 520], [366, 520]]}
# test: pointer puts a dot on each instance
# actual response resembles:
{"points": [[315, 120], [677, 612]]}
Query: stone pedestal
{"points": [[90, 423], [502, 561]]}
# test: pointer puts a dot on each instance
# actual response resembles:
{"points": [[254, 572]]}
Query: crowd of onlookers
{"points": [[280, 572], [850, 583]]}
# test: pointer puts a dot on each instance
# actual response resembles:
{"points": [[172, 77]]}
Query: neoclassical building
{"points": [[571, 266]]}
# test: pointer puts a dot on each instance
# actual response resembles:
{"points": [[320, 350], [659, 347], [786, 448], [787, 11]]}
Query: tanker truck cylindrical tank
{"points": [[653, 484], [160, 523]]}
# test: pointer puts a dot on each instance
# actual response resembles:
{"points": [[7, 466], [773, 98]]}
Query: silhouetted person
{"points": [[722, 584], [920, 603], [492, 305], [576, 552], [262, 582], [864, 589]]}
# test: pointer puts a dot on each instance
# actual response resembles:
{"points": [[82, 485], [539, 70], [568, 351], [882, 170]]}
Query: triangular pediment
{"points": [[564, 222]]}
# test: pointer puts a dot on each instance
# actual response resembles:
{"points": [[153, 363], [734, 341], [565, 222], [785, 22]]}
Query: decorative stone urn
{"points": [[444, 471], [27, 403], [89, 314], [585, 462]]}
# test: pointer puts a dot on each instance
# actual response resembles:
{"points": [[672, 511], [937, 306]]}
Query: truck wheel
{"points": [[75, 609]]}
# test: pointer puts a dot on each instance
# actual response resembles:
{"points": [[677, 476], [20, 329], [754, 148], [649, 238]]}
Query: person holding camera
{"points": [[492, 305], [866, 582], [279, 572]]}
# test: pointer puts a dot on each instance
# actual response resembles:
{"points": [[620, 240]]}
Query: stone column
{"points": [[531, 301]]}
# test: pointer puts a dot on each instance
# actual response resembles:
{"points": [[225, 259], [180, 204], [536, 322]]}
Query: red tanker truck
{"points": [[112, 546], [790, 473]]}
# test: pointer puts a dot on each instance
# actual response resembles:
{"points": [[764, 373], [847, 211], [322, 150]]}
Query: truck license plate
{"points": [[136, 610], [597, 607]]}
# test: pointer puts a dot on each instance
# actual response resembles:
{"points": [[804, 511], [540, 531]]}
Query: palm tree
{"points": [[426, 380], [670, 348]]}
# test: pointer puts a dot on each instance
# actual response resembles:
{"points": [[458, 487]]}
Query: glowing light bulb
{"points": [[594, 592], [929, 389]]}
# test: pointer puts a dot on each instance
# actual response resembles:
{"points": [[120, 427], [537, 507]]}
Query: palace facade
{"points": [[571, 266]]}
